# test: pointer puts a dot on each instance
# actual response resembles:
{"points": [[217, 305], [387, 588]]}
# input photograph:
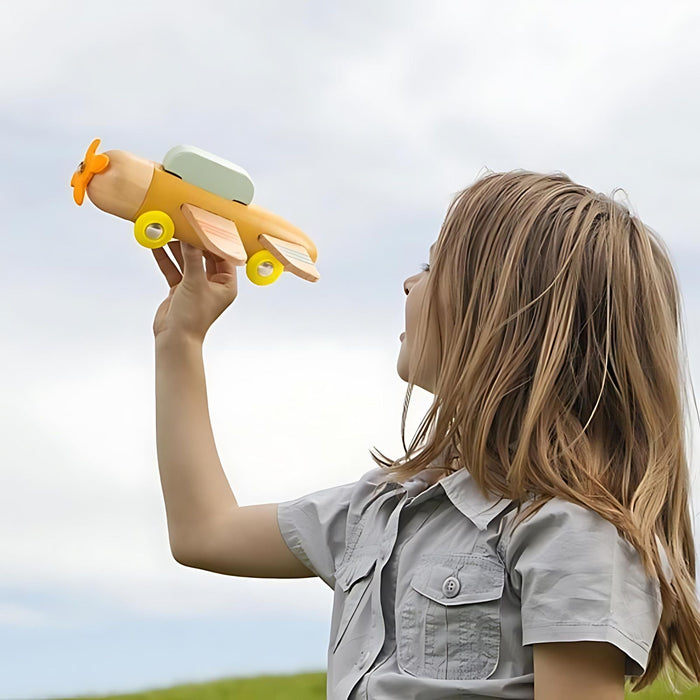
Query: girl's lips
{"points": [[402, 336]]}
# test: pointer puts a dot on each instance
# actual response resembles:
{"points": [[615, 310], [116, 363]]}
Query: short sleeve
{"points": [[579, 580], [314, 528]]}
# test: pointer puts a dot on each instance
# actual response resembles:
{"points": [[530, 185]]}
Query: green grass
{"points": [[305, 686], [659, 691]]}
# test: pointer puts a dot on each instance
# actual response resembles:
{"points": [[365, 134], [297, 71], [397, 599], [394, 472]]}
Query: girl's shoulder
{"points": [[562, 528]]}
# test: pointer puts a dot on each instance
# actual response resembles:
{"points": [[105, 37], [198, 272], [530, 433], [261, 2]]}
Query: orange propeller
{"points": [[93, 163]]}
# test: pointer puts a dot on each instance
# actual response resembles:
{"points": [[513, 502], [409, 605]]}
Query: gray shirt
{"points": [[435, 598]]}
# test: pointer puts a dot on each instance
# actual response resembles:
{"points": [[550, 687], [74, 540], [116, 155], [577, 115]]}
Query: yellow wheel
{"points": [[153, 229], [263, 268]]}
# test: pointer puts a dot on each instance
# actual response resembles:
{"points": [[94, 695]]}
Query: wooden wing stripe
{"points": [[294, 254], [216, 233]]}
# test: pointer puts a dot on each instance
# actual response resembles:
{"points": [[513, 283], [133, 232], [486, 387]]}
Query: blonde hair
{"points": [[560, 374]]}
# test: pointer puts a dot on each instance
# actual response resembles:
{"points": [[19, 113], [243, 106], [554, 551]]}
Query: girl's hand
{"points": [[197, 298]]}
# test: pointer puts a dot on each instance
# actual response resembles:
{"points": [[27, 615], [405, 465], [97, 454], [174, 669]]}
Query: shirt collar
{"points": [[465, 494]]}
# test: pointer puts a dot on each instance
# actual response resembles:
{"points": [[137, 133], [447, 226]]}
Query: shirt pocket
{"points": [[450, 624], [353, 578]]}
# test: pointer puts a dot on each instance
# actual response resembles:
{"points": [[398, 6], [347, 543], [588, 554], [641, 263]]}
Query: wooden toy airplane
{"points": [[205, 199]]}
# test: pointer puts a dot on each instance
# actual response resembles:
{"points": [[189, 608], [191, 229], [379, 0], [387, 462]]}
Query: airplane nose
{"points": [[93, 163], [122, 187]]}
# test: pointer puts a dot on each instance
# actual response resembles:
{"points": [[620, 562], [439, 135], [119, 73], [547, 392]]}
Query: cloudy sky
{"points": [[357, 122]]}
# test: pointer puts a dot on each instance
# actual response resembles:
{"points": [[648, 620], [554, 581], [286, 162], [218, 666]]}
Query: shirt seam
{"points": [[292, 538], [590, 624]]}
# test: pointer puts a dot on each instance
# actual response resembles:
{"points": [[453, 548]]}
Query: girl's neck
{"points": [[443, 465]]}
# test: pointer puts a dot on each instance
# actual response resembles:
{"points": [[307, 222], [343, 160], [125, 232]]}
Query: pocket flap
{"points": [[481, 578], [354, 569]]}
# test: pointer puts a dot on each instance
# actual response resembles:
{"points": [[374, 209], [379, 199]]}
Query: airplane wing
{"points": [[218, 235], [293, 256]]}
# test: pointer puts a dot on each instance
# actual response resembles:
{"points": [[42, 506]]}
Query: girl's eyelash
{"points": [[425, 267]]}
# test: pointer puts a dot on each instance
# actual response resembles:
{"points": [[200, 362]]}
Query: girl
{"points": [[535, 538]]}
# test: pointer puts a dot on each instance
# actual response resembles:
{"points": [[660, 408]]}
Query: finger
{"points": [[167, 267], [192, 257], [210, 264], [215, 264], [177, 252]]}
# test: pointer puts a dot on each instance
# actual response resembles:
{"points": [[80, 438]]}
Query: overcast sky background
{"points": [[358, 122]]}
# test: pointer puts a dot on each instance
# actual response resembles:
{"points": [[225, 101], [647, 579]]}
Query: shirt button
{"points": [[363, 658], [451, 586]]}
